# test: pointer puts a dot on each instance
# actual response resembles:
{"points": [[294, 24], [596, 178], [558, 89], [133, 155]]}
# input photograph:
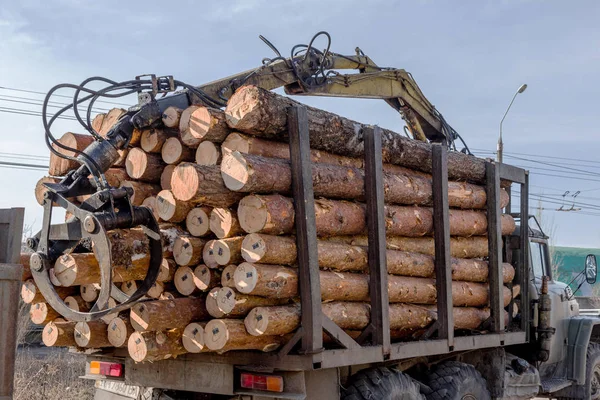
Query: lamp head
{"points": [[522, 88]]}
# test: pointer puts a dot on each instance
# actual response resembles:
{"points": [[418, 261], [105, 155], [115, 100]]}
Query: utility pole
{"points": [[500, 147]]}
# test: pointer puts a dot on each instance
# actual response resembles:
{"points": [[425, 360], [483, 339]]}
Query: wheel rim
{"points": [[468, 397], [595, 383]]}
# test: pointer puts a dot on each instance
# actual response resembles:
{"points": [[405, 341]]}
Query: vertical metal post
{"points": [[378, 278], [441, 232], [524, 255], [494, 214], [11, 230], [306, 231]]}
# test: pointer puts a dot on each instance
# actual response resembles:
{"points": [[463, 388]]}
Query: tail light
{"points": [[269, 383], [111, 369]]}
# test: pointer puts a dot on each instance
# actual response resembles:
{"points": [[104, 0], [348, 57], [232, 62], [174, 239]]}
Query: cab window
{"points": [[536, 251]]}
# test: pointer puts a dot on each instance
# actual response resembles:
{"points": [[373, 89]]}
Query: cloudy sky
{"points": [[469, 57]]}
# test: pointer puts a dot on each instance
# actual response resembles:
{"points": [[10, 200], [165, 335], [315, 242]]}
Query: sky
{"points": [[468, 57]]}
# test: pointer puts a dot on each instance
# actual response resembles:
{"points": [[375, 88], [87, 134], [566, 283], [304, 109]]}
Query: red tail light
{"points": [[270, 383]]}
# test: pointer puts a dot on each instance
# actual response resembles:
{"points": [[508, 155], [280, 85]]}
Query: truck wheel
{"points": [[453, 380], [591, 388], [381, 384]]}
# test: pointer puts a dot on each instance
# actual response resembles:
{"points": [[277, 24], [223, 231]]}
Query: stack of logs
{"points": [[219, 183]]}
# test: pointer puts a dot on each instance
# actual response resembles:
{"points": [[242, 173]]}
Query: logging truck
{"points": [[227, 242]]}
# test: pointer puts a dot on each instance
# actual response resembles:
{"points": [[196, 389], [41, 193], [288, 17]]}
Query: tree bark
{"points": [[152, 140], [82, 268], [92, 334], [60, 166], [224, 223], [228, 276], [174, 152], [263, 113], [141, 191], [171, 116], [223, 335], [238, 305], [271, 214], [59, 334], [42, 313], [228, 251], [471, 247], [155, 346], [118, 331], [24, 261], [266, 280], [169, 233], [198, 124], [143, 166], [170, 209], [193, 338], [208, 153], [256, 174], [268, 249], [166, 175], [208, 255], [197, 221], [201, 184], [159, 315], [187, 250]]}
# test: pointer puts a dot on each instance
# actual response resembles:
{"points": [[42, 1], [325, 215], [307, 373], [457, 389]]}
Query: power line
{"points": [[36, 103], [13, 164], [20, 111], [60, 95]]}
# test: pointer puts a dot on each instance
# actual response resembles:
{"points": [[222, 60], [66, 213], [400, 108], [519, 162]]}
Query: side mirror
{"points": [[591, 269]]}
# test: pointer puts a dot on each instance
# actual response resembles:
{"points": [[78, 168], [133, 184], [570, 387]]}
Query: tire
{"points": [[453, 380], [591, 389], [381, 384]]}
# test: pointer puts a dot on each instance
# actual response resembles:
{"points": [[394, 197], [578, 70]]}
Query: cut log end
{"points": [[208, 153], [193, 337], [197, 221], [257, 321], [206, 278], [254, 248], [235, 171], [212, 306], [173, 151], [171, 116], [184, 281], [166, 175], [150, 202], [171, 209], [90, 292], [228, 276], [118, 331], [224, 223], [143, 166], [245, 278], [136, 346], [216, 334], [58, 333], [187, 250]]}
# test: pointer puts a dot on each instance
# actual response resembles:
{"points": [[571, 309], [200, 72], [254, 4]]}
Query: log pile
{"points": [[219, 183]]}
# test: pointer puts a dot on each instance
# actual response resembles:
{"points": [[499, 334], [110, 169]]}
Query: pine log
{"points": [[77, 303], [266, 280], [169, 208], [122, 160], [190, 281], [142, 166], [201, 184], [110, 119], [158, 315], [228, 251], [91, 334], [24, 261], [471, 247], [141, 191], [40, 189], [212, 306], [273, 320], [150, 202], [208, 153], [118, 331], [82, 268], [42, 313], [154, 346], [228, 276], [208, 255], [255, 174], [268, 249], [193, 337], [263, 113], [129, 287], [224, 223], [130, 248], [166, 175], [53, 279], [167, 270], [198, 124], [339, 217], [184, 281], [238, 305], [60, 166], [110, 316], [174, 152], [223, 335], [171, 116], [152, 140], [31, 294], [270, 214], [206, 278], [169, 295], [187, 250], [97, 122], [59, 333], [156, 290], [89, 293], [197, 221]]}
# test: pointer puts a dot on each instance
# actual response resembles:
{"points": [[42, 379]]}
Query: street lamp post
{"points": [[500, 147]]}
